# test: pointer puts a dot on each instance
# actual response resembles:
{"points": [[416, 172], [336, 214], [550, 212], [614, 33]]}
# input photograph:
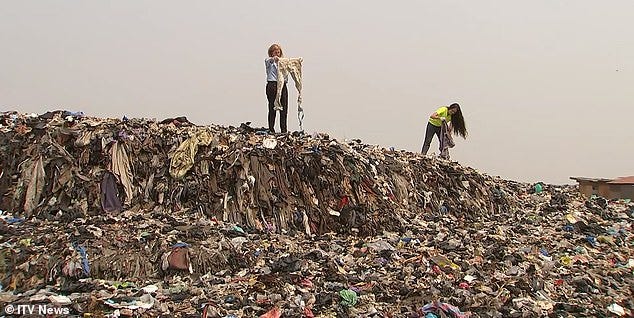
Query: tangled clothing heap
{"points": [[294, 67]]}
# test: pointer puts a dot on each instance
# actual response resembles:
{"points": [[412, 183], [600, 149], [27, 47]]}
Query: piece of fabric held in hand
{"points": [[446, 141], [286, 66]]}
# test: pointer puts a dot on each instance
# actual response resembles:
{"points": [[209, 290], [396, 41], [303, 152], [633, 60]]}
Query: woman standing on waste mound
{"points": [[452, 116], [271, 63]]}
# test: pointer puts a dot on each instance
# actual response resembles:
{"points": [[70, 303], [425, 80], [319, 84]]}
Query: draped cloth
{"points": [[446, 141], [292, 66]]}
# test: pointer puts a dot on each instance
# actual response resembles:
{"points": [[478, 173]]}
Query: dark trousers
{"points": [[429, 135], [271, 92]]}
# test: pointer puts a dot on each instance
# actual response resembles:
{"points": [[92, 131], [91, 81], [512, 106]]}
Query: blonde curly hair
{"points": [[273, 47]]}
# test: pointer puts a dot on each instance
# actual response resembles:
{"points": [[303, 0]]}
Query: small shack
{"points": [[619, 188]]}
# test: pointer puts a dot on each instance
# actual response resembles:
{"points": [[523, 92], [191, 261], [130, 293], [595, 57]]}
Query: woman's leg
{"points": [[284, 111], [271, 91], [429, 135]]}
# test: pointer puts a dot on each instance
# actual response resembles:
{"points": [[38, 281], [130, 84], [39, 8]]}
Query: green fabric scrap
{"points": [[349, 297]]}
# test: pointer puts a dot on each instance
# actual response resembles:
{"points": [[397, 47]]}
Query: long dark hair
{"points": [[457, 121]]}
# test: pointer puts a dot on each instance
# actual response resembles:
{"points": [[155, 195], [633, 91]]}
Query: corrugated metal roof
{"points": [[590, 179], [623, 180]]}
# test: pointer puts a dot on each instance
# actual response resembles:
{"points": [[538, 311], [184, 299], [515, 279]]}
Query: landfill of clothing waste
{"points": [[136, 217]]}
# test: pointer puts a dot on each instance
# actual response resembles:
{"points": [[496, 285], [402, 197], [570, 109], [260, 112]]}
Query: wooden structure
{"points": [[619, 188]]}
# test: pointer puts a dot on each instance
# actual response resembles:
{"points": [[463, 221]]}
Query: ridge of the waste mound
{"points": [[59, 165]]}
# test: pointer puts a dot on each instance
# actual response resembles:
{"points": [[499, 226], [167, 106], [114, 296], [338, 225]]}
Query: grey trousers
{"points": [[429, 135]]}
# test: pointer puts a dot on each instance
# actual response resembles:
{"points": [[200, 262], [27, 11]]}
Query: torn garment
{"points": [[446, 141], [36, 182], [292, 66], [183, 157], [110, 201], [121, 168]]}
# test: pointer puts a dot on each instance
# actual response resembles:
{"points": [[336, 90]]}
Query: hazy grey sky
{"points": [[546, 86]]}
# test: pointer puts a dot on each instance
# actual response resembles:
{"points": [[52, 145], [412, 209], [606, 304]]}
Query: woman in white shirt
{"points": [[275, 52]]}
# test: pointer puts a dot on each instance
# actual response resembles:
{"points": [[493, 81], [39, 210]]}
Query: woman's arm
{"points": [[436, 116]]}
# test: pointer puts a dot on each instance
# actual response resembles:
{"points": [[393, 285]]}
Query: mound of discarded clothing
{"points": [[139, 217]]}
